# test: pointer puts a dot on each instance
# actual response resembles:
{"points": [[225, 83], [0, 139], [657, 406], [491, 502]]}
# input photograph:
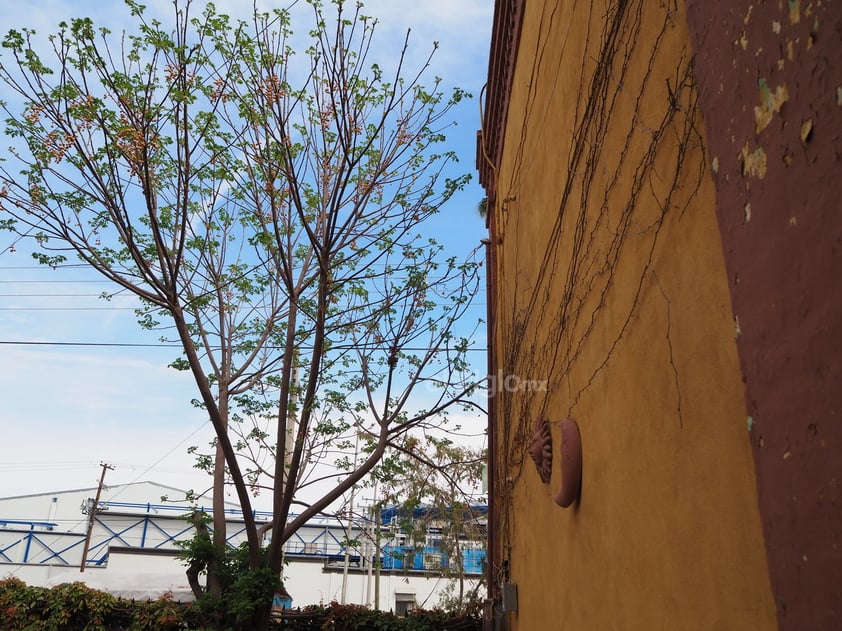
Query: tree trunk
{"points": [[220, 533]]}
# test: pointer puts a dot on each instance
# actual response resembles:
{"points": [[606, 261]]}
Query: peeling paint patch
{"points": [[748, 14], [749, 423], [743, 41], [714, 165], [747, 210], [839, 95], [770, 104], [813, 32], [794, 11], [754, 162], [806, 131]]}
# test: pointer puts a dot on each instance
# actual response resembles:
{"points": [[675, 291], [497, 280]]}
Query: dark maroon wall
{"points": [[770, 81]]}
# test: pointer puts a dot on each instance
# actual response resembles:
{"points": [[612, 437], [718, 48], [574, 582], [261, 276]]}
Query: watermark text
{"points": [[514, 383]]}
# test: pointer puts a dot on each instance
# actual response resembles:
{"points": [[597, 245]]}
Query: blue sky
{"points": [[66, 408]]}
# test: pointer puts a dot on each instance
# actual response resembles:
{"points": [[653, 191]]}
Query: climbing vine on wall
{"points": [[629, 168]]}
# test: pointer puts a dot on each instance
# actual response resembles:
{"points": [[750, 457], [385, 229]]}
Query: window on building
{"points": [[404, 603], [433, 560], [433, 537]]}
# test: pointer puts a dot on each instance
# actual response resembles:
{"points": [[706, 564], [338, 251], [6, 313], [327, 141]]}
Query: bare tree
{"points": [[432, 484], [268, 214]]}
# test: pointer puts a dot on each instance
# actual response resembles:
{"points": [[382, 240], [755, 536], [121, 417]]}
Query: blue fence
{"points": [[430, 559]]}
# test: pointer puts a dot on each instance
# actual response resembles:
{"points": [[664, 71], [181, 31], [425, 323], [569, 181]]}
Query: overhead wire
{"points": [[415, 349]]}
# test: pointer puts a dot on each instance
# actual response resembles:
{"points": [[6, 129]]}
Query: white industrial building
{"points": [[132, 551]]}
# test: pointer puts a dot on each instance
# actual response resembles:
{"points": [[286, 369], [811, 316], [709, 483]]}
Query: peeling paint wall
{"points": [[611, 301], [770, 85]]}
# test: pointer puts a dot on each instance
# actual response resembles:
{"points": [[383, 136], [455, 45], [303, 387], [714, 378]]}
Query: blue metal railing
{"points": [[31, 544], [430, 559], [141, 530]]}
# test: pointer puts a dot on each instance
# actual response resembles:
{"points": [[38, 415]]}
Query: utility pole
{"points": [[349, 529], [92, 515], [378, 562], [292, 419]]}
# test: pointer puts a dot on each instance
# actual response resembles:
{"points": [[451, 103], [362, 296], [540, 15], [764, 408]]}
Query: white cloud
{"points": [[69, 405], [462, 28], [85, 405]]}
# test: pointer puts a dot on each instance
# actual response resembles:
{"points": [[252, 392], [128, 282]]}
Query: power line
{"points": [[46, 466], [178, 345], [68, 308], [58, 280], [202, 426], [102, 344], [109, 282], [51, 295], [104, 308], [44, 267]]}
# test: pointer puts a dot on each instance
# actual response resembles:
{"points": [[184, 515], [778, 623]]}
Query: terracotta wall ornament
{"points": [[571, 464], [541, 451], [541, 448]]}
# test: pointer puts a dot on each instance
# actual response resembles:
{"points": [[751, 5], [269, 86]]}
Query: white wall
{"points": [[308, 579]]}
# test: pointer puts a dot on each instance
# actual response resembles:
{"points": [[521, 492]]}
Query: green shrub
{"points": [[336, 617], [162, 614], [75, 607], [20, 604]]}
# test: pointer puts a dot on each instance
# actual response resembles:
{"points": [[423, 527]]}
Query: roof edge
{"points": [[505, 38]]}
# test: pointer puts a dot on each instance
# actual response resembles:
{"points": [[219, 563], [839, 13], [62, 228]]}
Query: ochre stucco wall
{"points": [[610, 287]]}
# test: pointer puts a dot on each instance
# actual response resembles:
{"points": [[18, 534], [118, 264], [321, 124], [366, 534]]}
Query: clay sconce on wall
{"points": [[541, 451], [541, 448]]}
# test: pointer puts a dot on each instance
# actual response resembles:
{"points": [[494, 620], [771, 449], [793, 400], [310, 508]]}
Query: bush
{"points": [[20, 604], [75, 607], [336, 617]]}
